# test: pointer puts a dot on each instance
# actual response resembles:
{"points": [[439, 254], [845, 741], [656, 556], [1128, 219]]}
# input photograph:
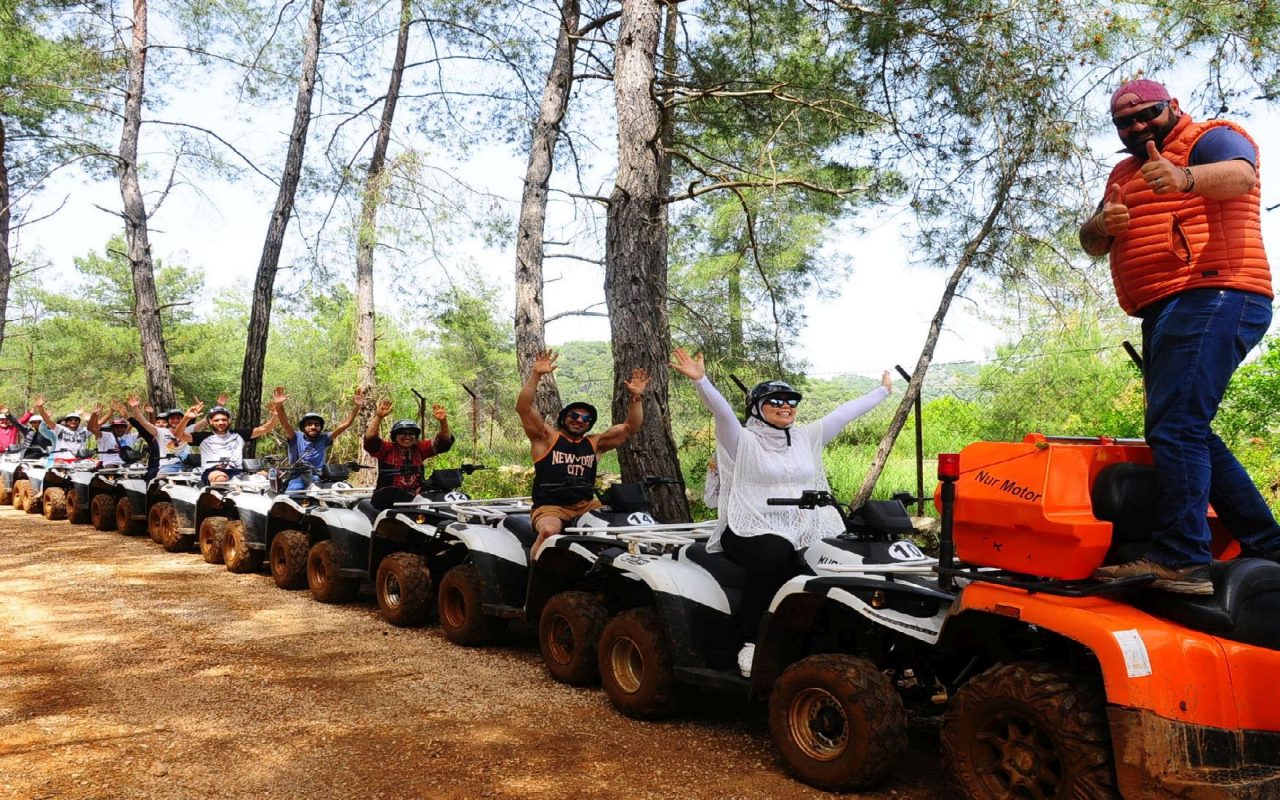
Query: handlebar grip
{"points": [[782, 501]]}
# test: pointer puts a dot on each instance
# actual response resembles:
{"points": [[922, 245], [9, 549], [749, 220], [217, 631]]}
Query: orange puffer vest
{"points": [[1177, 242]]}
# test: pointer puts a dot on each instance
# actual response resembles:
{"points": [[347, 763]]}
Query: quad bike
{"points": [[489, 578], [285, 539], [170, 503], [66, 490], [114, 498], [231, 518]]}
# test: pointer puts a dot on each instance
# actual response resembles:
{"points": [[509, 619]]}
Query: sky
{"points": [[878, 319]]}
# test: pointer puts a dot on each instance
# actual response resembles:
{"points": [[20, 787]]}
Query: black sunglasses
{"points": [[580, 417], [779, 402], [1126, 121]]}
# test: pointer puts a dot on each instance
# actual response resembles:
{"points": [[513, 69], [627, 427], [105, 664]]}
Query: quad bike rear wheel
{"points": [[461, 606], [239, 557], [31, 504], [1032, 730], [838, 722], [403, 588], [6, 490], [102, 512], [326, 583], [21, 488], [288, 559], [165, 525], [127, 521], [212, 531], [77, 511], [54, 505], [636, 665], [568, 634]]}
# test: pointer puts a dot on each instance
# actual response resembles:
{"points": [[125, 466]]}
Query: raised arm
{"points": [[539, 433], [44, 413], [180, 433], [137, 415], [357, 400], [380, 412], [617, 434], [442, 435], [835, 422], [727, 426], [264, 428], [278, 398], [95, 420]]}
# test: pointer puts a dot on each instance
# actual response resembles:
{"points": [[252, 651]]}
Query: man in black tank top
{"points": [[565, 456]]}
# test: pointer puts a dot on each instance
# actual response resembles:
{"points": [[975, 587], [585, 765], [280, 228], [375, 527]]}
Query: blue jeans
{"points": [[1192, 343]]}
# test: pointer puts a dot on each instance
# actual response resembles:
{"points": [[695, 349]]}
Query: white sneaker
{"points": [[745, 656]]}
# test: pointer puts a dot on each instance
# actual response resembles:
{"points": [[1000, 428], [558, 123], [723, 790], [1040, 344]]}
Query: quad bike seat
{"points": [[368, 509], [1125, 495], [1244, 607], [521, 526], [727, 573]]}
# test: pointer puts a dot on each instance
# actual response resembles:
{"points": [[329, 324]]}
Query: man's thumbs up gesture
{"points": [[1115, 214], [1161, 174]]}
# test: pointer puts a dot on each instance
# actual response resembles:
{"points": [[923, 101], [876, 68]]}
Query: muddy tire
{"points": [[6, 490], [288, 559], [102, 512], [31, 504], [77, 511], [165, 526], [54, 503], [239, 557], [636, 665], [404, 591], [838, 722], [126, 518], [568, 634], [1029, 729], [460, 603], [21, 489], [323, 578], [212, 532]]}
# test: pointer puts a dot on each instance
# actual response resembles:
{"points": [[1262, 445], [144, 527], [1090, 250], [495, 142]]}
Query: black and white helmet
{"points": [[765, 390], [405, 426]]}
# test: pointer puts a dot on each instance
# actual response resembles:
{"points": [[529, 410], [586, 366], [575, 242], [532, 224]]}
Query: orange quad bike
{"points": [[1076, 688]]}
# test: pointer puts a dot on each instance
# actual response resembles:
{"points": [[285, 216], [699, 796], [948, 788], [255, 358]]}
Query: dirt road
{"points": [[128, 672]]}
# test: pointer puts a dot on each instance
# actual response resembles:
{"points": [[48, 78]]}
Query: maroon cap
{"points": [[1135, 93]]}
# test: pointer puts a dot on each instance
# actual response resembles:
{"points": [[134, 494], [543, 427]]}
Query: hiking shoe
{"points": [[1187, 580], [745, 657]]}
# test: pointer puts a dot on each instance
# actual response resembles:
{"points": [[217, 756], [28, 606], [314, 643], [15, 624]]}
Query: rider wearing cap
{"points": [[309, 444], [13, 430], [163, 446], [68, 437], [222, 447], [400, 460], [109, 437], [565, 457], [768, 456]]}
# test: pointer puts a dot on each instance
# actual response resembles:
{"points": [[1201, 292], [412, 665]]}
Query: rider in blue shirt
{"points": [[309, 444]]}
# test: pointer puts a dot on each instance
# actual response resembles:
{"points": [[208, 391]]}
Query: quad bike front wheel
{"points": [[127, 518], [838, 721], [165, 525], [1031, 730], [212, 532], [568, 634], [102, 512], [461, 606], [55, 503], [239, 557], [326, 583], [403, 588], [288, 559], [6, 490], [77, 510], [636, 665], [31, 504]]}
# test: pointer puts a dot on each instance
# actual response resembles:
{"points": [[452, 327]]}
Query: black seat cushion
{"points": [[388, 496], [722, 568], [1125, 495], [368, 509], [1244, 606], [881, 516], [522, 527]]}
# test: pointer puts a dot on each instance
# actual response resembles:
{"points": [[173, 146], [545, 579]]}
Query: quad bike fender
{"points": [[487, 540], [133, 488], [501, 560], [182, 496], [252, 513], [285, 514], [36, 475], [914, 611], [555, 569], [1147, 663], [667, 576], [350, 532]]}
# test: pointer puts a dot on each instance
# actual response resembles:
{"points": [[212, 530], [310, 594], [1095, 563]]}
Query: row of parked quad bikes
{"points": [[1049, 685]]}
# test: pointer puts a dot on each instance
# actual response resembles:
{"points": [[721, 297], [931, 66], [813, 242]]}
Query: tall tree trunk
{"points": [[146, 306], [255, 352], [636, 257], [6, 265], [967, 257], [367, 238], [530, 331]]}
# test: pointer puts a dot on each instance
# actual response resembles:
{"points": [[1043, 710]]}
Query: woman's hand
{"points": [[439, 412], [692, 368]]}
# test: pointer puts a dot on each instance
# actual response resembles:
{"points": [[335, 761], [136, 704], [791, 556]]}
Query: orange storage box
{"points": [[1024, 506]]}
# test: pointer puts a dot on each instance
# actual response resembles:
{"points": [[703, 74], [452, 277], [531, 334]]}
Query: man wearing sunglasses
{"points": [[565, 457], [1181, 223]]}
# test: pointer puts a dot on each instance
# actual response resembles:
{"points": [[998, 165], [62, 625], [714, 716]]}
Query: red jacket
{"points": [[1177, 242]]}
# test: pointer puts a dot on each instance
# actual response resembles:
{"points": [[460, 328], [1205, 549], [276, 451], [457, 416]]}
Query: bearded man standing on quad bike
{"points": [[1181, 223], [565, 457], [400, 460]]}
